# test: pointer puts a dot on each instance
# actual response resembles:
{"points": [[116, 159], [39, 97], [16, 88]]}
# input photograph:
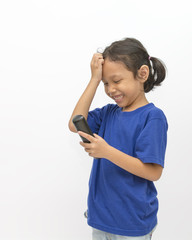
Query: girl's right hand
{"points": [[96, 67]]}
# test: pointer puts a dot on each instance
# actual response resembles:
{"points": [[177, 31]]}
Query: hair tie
{"points": [[149, 58]]}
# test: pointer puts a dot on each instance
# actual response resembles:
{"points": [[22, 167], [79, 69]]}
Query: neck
{"points": [[140, 102]]}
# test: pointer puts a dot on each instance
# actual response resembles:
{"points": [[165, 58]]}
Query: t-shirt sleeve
{"points": [[151, 144], [97, 117], [94, 119]]}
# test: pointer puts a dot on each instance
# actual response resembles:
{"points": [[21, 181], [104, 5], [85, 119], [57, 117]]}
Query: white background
{"points": [[45, 52]]}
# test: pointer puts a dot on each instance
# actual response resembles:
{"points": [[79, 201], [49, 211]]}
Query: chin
{"points": [[121, 105]]}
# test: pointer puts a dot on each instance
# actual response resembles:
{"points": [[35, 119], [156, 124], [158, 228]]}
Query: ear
{"points": [[143, 73]]}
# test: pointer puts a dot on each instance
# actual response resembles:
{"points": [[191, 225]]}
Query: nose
{"points": [[111, 89]]}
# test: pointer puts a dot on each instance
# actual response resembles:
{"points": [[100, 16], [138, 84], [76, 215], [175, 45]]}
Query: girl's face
{"points": [[121, 85]]}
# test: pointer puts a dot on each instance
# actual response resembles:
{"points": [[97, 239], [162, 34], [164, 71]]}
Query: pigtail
{"points": [[157, 74]]}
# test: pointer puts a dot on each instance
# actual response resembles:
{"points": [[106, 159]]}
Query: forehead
{"points": [[112, 69]]}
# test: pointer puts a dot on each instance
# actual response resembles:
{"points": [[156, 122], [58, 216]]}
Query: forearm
{"points": [[83, 105], [99, 148], [133, 165]]}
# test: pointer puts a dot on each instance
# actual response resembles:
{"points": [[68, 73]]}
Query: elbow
{"points": [[71, 127], [156, 178], [153, 178], [157, 173], [154, 172]]}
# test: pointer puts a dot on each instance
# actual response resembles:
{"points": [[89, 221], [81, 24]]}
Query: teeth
{"points": [[118, 97]]}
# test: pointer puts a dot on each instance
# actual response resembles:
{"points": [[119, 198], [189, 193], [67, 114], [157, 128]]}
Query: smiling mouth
{"points": [[118, 98]]}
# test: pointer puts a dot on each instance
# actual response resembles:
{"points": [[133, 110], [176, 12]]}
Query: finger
{"points": [[100, 62], [97, 59], [85, 145], [97, 56], [87, 136], [96, 136], [87, 150], [100, 55]]}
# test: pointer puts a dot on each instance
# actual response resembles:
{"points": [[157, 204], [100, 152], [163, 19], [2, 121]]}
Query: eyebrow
{"points": [[113, 76]]}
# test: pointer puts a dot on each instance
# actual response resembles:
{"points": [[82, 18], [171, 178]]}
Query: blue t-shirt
{"points": [[118, 201]]}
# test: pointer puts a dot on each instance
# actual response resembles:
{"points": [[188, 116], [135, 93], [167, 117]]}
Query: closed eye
{"points": [[117, 81]]}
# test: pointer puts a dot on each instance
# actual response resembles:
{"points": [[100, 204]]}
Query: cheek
{"points": [[106, 90], [131, 87]]}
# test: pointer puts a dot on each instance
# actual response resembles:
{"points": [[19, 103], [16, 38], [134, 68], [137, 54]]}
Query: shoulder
{"points": [[103, 112], [154, 113], [109, 108], [99, 116]]}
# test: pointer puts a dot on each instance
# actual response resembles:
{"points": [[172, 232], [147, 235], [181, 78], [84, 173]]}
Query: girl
{"points": [[129, 143]]}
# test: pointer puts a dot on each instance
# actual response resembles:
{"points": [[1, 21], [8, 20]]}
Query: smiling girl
{"points": [[129, 143]]}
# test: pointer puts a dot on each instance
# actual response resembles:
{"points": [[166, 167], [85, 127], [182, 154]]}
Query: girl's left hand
{"points": [[97, 147]]}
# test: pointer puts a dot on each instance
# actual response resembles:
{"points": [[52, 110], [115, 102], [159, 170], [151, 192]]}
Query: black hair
{"points": [[133, 54]]}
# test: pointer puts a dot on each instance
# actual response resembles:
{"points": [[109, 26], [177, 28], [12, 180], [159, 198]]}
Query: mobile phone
{"points": [[81, 125]]}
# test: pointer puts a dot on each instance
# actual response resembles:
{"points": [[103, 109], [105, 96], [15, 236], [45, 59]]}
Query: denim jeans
{"points": [[100, 235]]}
